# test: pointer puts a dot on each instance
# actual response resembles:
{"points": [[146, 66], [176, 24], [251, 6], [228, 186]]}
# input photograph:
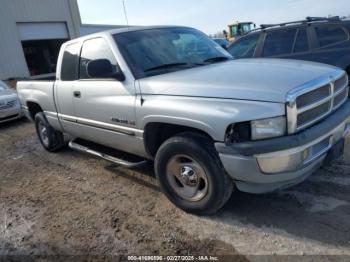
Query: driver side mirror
{"points": [[103, 68]]}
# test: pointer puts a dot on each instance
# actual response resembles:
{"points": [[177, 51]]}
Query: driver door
{"points": [[105, 107]]}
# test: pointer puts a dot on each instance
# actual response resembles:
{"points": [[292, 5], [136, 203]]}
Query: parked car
{"points": [[223, 42], [10, 107], [325, 40], [207, 121]]}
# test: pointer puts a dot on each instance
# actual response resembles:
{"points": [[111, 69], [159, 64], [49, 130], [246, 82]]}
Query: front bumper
{"points": [[264, 166]]}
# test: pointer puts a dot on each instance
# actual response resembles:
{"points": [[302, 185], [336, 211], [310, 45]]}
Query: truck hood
{"points": [[246, 79]]}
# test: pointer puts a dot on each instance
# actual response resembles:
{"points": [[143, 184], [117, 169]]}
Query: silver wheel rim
{"points": [[187, 178], [43, 133]]}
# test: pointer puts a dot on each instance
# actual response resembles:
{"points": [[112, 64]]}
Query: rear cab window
{"points": [[279, 42], [328, 35], [70, 62]]}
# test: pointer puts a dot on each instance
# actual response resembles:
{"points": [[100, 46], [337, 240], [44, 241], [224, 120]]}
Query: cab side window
{"points": [[94, 49], [279, 42], [329, 35], [70, 62], [245, 47]]}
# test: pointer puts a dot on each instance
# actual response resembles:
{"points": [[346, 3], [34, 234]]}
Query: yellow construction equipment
{"points": [[238, 29]]}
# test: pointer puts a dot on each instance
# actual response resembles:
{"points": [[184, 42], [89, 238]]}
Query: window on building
{"points": [[328, 35], [70, 61], [279, 42], [301, 43], [94, 49]]}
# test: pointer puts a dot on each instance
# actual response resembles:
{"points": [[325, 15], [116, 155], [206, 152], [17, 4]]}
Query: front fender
{"points": [[210, 115]]}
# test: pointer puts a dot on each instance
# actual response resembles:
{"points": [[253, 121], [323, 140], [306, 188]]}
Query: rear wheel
{"points": [[51, 139], [191, 174]]}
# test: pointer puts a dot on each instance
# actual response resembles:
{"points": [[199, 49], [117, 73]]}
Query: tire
{"points": [[51, 139], [188, 155]]}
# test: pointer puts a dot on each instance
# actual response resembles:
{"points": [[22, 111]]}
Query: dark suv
{"points": [[324, 40]]}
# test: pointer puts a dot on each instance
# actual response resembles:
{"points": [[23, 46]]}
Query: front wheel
{"points": [[51, 139], [191, 174]]}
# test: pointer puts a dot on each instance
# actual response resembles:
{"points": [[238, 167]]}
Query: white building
{"points": [[32, 31]]}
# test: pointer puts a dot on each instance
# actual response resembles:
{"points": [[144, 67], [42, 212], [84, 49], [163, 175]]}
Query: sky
{"points": [[210, 16]]}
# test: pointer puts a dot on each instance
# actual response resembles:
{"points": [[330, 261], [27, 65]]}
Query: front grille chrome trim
{"points": [[312, 106], [342, 102], [293, 111]]}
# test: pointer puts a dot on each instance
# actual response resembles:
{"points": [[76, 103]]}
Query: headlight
{"points": [[268, 128]]}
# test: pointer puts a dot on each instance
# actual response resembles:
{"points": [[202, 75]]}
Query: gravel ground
{"points": [[73, 204]]}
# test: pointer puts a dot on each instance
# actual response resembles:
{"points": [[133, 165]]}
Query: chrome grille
{"points": [[313, 101], [338, 84], [313, 96], [340, 98], [8, 105], [314, 113]]}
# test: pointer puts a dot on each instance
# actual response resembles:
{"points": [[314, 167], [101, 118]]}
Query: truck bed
{"points": [[40, 92]]}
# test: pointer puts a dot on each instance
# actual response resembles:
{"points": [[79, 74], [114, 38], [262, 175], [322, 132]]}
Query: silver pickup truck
{"points": [[209, 123]]}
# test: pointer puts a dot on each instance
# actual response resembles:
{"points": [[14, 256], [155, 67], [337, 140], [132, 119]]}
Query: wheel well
{"points": [[33, 109], [157, 133]]}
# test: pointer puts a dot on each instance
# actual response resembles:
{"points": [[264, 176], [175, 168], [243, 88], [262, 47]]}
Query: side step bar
{"points": [[112, 159]]}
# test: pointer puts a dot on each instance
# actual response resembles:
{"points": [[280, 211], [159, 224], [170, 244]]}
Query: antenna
{"points": [[125, 14]]}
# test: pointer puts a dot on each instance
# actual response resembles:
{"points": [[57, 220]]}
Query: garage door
{"points": [[41, 31]]}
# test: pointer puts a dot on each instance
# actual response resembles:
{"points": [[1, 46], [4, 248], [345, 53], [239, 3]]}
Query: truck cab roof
{"points": [[123, 30]]}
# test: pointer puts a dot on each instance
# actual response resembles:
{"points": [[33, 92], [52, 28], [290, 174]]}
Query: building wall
{"points": [[86, 29], [12, 60]]}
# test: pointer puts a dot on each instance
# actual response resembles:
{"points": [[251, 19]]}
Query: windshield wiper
{"points": [[173, 65], [217, 59], [166, 66]]}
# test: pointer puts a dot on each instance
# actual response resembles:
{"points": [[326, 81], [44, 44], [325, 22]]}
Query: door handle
{"points": [[77, 94]]}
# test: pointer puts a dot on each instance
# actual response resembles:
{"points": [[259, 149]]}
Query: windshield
{"points": [[158, 51], [246, 28], [241, 29], [234, 30]]}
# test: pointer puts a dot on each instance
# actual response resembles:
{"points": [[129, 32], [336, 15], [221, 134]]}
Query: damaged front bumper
{"points": [[264, 166]]}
